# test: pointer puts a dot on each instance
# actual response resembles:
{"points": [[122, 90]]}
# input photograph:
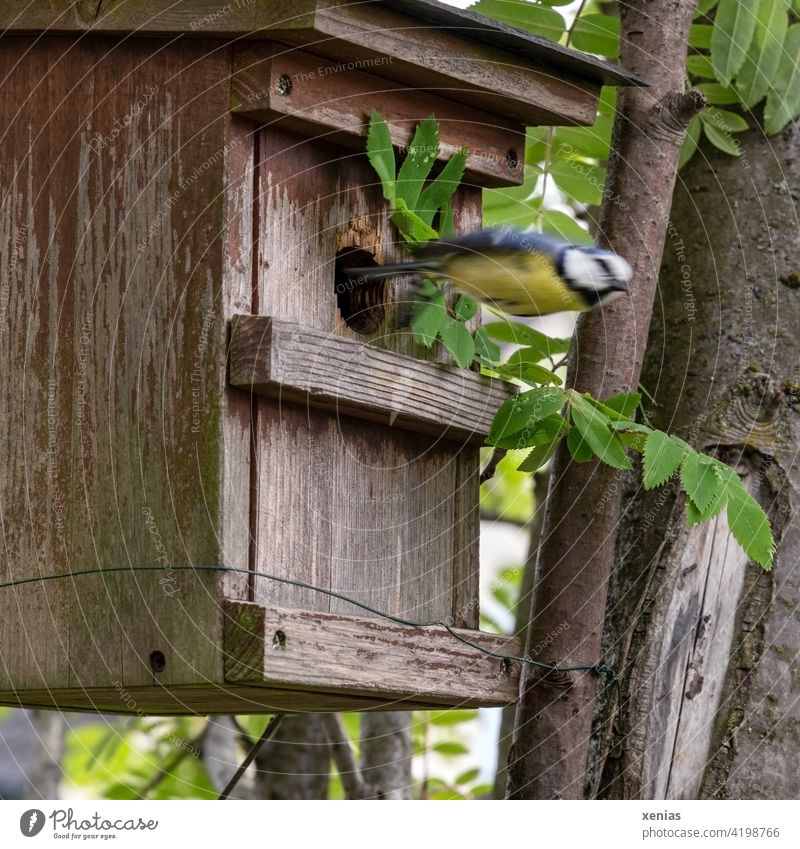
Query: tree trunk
{"points": [[554, 716], [710, 703], [45, 771], [295, 763], [386, 753], [522, 613]]}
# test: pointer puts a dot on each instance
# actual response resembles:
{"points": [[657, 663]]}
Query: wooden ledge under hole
{"points": [[303, 364]]}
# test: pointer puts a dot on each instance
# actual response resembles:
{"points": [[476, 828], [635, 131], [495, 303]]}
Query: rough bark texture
{"points": [[295, 763], [540, 482], [549, 755], [386, 754], [722, 362]]}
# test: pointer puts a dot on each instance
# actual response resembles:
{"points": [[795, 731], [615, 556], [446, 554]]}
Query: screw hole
{"points": [[279, 640], [362, 305], [284, 85], [157, 661], [512, 160]]}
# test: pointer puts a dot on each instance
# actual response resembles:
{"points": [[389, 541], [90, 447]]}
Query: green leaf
{"points": [[700, 36], [565, 226], [704, 7], [662, 456], [722, 141], [690, 142], [411, 226], [520, 334], [427, 319], [597, 33], [699, 65], [592, 142], [542, 433], [764, 56], [458, 340], [437, 195], [486, 352], [450, 748], [608, 101], [539, 455], [594, 429], [733, 30], [381, 153], [783, 102], [535, 146], [468, 777], [700, 480], [453, 717], [428, 288], [750, 526], [420, 157], [510, 205], [521, 412], [581, 181], [626, 403], [578, 447], [718, 95], [535, 19], [466, 308], [725, 120], [528, 372]]}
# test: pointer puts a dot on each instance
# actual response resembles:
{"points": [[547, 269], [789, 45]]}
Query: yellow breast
{"points": [[517, 282]]}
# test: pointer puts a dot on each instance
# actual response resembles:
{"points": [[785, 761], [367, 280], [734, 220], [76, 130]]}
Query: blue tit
{"points": [[520, 273]]}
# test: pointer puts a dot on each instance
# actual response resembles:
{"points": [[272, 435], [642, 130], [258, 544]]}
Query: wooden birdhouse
{"points": [[211, 442]]}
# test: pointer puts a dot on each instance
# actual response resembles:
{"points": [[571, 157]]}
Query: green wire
{"points": [[598, 668]]}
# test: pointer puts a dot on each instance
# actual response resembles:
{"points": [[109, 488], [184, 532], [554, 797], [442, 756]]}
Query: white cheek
{"points": [[581, 270]]}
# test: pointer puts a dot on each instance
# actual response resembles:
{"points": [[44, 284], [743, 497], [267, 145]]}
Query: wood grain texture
{"points": [[686, 668], [295, 363], [442, 60], [277, 85], [209, 18], [332, 652], [112, 183], [341, 502]]}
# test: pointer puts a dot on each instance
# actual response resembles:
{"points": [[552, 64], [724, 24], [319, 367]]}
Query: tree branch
{"points": [[342, 754]]}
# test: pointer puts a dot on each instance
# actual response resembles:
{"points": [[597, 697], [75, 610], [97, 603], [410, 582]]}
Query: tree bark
{"points": [[554, 716], [710, 703], [295, 763], [386, 754], [522, 613]]}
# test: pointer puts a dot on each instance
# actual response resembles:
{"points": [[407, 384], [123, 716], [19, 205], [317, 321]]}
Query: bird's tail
{"points": [[379, 272]]}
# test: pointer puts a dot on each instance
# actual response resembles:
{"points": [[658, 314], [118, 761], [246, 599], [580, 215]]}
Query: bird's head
{"points": [[596, 274]]}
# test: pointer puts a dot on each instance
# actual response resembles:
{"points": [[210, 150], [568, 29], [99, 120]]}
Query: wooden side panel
{"points": [[366, 510], [112, 176]]}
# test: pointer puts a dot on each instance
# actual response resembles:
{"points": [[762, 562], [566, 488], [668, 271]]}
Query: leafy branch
{"points": [[544, 413]]}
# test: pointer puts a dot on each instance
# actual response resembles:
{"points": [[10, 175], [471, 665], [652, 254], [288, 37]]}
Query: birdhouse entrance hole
{"points": [[361, 304]]}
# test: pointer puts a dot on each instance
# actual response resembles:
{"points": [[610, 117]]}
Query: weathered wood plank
{"points": [[686, 666], [297, 363], [236, 297], [365, 656], [467, 69], [112, 178], [276, 85]]}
